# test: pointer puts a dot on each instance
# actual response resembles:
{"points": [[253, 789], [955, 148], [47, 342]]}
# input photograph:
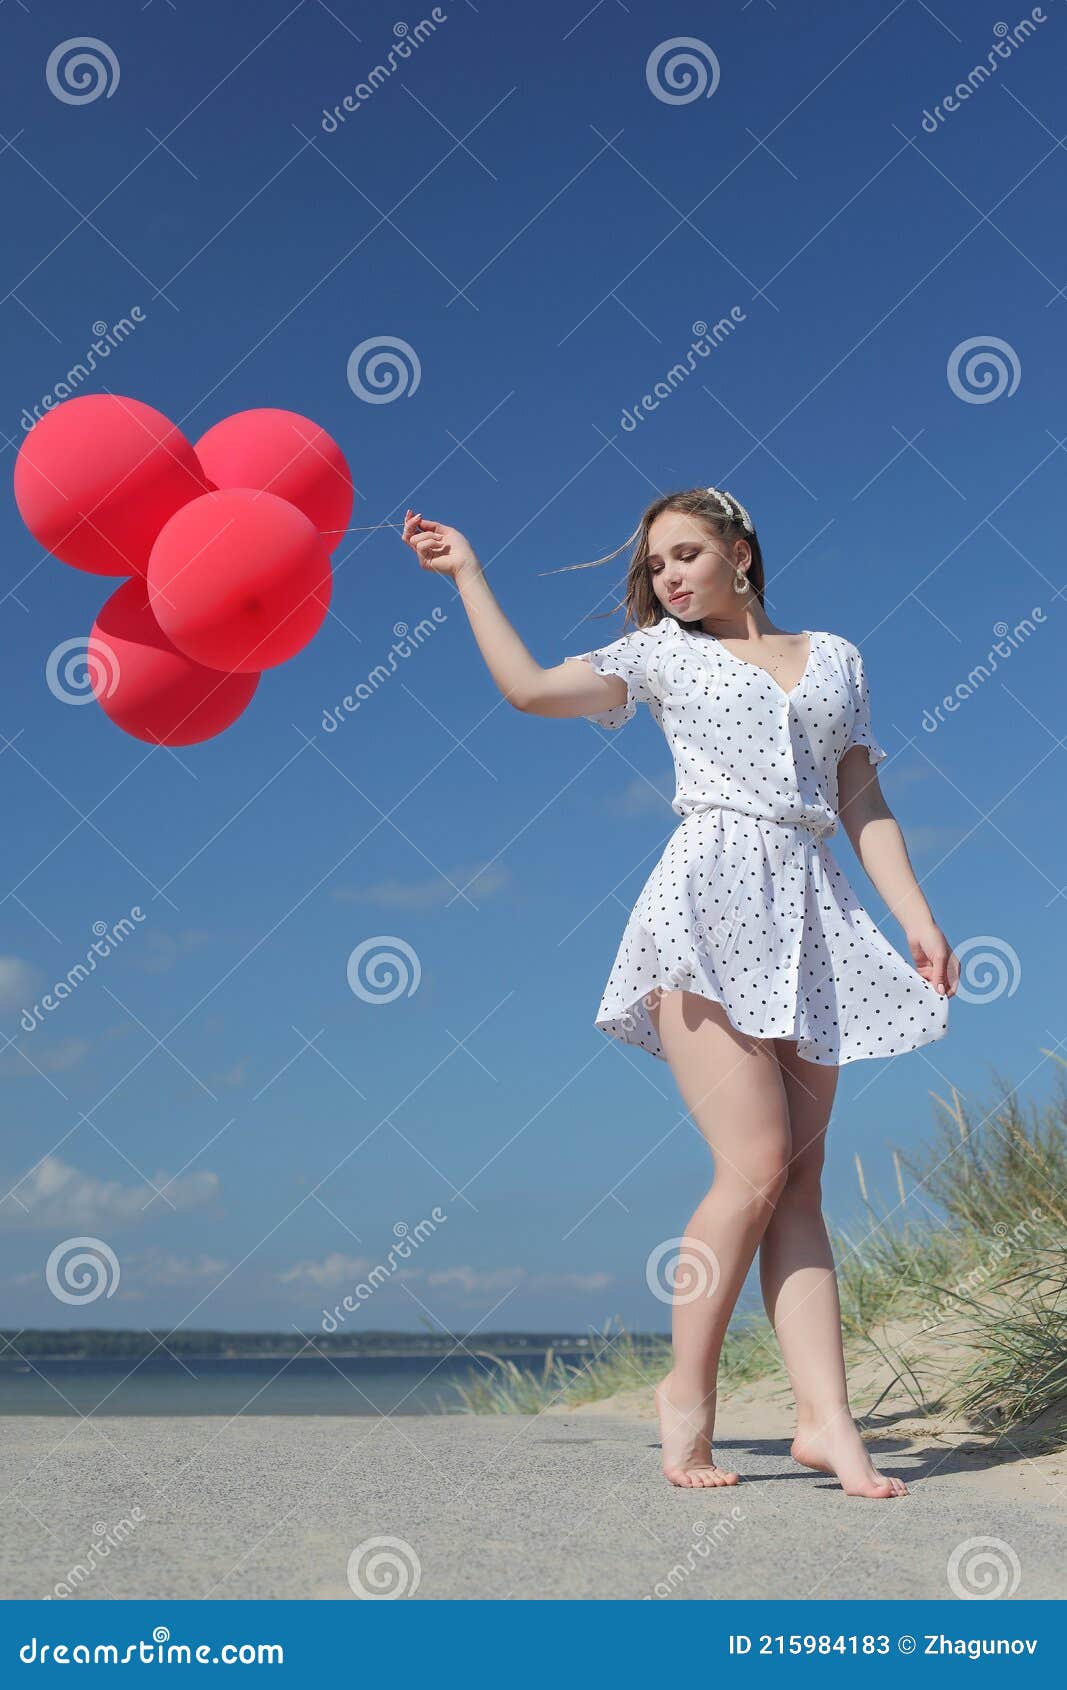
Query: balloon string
{"points": [[366, 528]]}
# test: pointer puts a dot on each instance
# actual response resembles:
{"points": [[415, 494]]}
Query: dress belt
{"points": [[817, 825]]}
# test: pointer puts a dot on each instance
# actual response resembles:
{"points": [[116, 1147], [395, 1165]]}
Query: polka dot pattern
{"points": [[747, 906]]}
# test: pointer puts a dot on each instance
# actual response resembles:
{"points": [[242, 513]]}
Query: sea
{"points": [[164, 1384]]}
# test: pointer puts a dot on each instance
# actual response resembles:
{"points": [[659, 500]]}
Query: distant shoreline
{"points": [[14, 1360], [52, 1345]]}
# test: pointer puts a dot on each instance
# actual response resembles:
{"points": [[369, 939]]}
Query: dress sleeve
{"points": [[862, 732], [628, 657]]}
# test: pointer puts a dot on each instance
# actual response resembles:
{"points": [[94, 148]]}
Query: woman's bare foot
{"points": [[685, 1434], [837, 1448]]}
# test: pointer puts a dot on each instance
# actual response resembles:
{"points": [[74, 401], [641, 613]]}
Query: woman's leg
{"points": [[800, 1290], [732, 1085]]}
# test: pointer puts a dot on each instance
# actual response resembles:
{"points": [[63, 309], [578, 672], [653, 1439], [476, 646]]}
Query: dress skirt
{"points": [[758, 916]]}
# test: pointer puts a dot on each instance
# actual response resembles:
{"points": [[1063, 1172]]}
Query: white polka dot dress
{"points": [[747, 906]]}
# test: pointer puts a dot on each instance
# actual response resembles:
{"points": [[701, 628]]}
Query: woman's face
{"points": [[686, 557]]}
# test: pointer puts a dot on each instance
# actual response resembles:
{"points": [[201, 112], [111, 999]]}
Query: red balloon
{"points": [[97, 477], [283, 453], [239, 580], [147, 687]]}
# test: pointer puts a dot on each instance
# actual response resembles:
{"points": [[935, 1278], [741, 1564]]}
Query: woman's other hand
{"points": [[934, 957]]}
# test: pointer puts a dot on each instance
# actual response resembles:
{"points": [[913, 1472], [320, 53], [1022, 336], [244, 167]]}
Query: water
{"points": [[310, 1384]]}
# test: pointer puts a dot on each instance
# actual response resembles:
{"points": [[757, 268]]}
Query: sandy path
{"points": [[562, 1505]]}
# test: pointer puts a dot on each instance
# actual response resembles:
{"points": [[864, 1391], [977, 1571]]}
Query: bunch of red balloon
{"points": [[226, 542]]}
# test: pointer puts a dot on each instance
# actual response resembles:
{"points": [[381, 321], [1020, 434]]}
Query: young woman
{"points": [[748, 963]]}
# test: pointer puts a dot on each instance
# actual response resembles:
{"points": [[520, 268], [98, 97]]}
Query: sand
{"points": [[1020, 1463], [567, 1505]]}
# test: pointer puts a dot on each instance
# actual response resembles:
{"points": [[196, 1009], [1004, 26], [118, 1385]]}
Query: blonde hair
{"points": [[718, 510]]}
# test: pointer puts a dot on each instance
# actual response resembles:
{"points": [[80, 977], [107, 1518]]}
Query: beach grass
{"points": [[957, 1283], [618, 1361]]}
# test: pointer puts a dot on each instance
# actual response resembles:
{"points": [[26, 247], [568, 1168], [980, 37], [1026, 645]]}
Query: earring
{"points": [[740, 580]]}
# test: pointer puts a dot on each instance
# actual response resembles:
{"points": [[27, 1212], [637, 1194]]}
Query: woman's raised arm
{"points": [[571, 688]]}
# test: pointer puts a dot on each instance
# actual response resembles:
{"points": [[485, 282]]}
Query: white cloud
{"points": [[41, 1058], [642, 797], [333, 1271], [160, 1269], [484, 879], [159, 950], [19, 982], [152, 1268], [234, 1076], [573, 1281], [58, 1195], [470, 1280], [338, 1271]]}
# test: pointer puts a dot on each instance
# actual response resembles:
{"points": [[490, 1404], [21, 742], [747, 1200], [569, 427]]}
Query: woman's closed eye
{"points": [[683, 558]]}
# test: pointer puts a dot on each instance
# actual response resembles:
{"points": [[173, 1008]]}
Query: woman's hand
{"points": [[934, 957], [443, 550]]}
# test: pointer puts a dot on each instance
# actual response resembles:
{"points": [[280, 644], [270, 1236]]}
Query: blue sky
{"points": [[518, 204]]}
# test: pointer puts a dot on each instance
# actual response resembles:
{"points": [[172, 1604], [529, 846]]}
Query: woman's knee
{"points": [[757, 1179], [803, 1183]]}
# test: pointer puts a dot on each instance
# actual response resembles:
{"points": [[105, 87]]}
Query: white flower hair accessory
{"points": [[734, 509]]}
